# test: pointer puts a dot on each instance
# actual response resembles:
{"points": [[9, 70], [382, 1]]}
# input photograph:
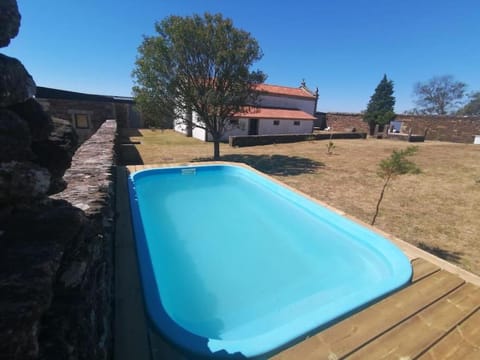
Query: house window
{"points": [[276, 122], [296, 123], [81, 121]]}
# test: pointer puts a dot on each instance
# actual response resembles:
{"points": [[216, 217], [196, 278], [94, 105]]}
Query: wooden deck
{"points": [[437, 316]]}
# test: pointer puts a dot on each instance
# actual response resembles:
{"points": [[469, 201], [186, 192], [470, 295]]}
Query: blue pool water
{"points": [[234, 264]]}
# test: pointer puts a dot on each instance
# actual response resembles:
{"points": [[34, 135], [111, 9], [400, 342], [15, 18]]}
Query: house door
{"points": [[253, 127]]}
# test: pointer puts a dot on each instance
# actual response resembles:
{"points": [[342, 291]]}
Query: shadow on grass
{"points": [[127, 154], [127, 132], [450, 256], [274, 164]]}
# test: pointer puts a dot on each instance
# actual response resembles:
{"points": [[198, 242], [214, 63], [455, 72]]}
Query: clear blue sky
{"points": [[344, 47]]}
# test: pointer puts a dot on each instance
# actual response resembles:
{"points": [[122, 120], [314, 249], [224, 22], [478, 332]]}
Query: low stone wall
{"points": [[79, 322], [402, 137], [252, 140]]}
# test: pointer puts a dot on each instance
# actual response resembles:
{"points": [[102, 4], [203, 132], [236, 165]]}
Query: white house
{"points": [[280, 110]]}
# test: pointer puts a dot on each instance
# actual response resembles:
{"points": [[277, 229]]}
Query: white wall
{"points": [[179, 126], [266, 127], [234, 130], [198, 133], [307, 105]]}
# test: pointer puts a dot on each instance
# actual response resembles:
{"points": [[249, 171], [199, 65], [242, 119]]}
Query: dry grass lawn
{"points": [[437, 210]]}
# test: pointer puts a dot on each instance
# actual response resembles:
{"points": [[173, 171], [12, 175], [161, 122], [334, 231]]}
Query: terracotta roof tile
{"points": [[274, 113], [285, 90]]}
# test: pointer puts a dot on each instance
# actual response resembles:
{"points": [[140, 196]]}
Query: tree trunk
{"points": [[380, 200], [216, 149], [189, 120], [189, 126]]}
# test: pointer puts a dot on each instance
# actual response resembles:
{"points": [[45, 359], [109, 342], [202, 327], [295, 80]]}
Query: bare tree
{"points": [[440, 95]]}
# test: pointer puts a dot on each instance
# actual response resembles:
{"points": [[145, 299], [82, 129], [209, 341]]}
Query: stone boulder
{"points": [[9, 21], [56, 152], [16, 84], [39, 122], [33, 239], [15, 138], [22, 182]]}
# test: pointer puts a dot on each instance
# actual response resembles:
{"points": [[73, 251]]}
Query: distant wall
{"points": [[443, 128], [96, 111], [346, 121]]}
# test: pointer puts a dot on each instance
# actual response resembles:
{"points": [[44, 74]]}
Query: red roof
{"points": [[285, 90], [273, 113]]}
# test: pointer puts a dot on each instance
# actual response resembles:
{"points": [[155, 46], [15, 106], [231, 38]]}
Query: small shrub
{"points": [[396, 164], [330, 147]]}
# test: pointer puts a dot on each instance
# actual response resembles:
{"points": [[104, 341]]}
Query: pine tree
{"points": [[380, 107]]}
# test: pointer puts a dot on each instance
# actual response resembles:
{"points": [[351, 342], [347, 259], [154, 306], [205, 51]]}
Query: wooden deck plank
{"points": [[462, 343], [422, 269], [413, 337], [351, 333]]}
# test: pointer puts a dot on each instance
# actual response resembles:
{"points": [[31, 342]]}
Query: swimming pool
{"points": [[234, 264]]}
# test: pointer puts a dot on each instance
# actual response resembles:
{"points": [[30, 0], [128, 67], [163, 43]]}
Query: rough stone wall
{"points": [[64, 109], [56, 267], [346, 121], [443, 128], [121, 115], [78, 323], [55, 257]]}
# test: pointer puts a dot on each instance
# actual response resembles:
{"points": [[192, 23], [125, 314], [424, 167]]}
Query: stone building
{"points": [[280, 110], [87, 112]]}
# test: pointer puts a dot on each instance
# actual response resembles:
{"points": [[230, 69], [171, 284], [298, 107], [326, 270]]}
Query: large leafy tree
{"points": [[200, 64], [472, 107], [380, 107], [440, 95]]}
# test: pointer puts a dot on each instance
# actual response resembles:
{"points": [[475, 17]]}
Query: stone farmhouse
{"points": [[280, 110], [87, 112]]}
